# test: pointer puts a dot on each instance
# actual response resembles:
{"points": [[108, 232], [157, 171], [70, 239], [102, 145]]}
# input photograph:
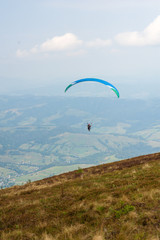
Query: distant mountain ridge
{"points": [[46, 136]]}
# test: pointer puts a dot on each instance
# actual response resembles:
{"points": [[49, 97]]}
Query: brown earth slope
{"points": [[119, 200], [101, 169]]}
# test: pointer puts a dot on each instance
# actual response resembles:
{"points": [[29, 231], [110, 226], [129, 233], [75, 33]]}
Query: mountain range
{"points": [[43, 136]]}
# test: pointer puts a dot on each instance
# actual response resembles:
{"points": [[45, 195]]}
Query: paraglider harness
{"points": [[89, 126]]}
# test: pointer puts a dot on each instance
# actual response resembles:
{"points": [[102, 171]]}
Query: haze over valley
{"points": [[45, 136]]}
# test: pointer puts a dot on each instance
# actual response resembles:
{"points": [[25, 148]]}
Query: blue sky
{"points": [[47, 44]]}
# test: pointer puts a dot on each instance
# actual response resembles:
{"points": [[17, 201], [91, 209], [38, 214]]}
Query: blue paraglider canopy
{"points": [[94, 80]]}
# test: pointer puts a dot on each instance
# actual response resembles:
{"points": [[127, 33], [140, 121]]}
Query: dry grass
{"points": [[98, 237], [112, 201]]}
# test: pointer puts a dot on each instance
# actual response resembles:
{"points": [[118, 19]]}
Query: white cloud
{"points": [[35, 49], [21, 53], [99, 43], [149, 36], [68, 41], [61, 43]]}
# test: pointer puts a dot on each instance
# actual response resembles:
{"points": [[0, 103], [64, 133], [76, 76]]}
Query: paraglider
{"points": [[113, 88], [89, 126]]}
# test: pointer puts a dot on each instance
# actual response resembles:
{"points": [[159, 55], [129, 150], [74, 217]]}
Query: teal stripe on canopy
{"points": [[94, 80]]}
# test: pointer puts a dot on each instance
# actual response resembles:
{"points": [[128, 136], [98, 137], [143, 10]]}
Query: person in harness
{"points": [[89, 126]]}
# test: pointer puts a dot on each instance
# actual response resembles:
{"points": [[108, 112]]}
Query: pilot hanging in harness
{"points": [[89, 126]]}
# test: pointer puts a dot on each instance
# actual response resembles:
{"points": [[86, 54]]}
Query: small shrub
{"points": [[29, 181], [80, 170], [123, 211], [100, 209]]}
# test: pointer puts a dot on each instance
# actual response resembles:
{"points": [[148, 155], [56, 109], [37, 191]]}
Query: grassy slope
{"points": [[119, 200]]}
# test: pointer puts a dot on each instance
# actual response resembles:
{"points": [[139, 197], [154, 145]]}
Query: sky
{"points": [[47, 44]]}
